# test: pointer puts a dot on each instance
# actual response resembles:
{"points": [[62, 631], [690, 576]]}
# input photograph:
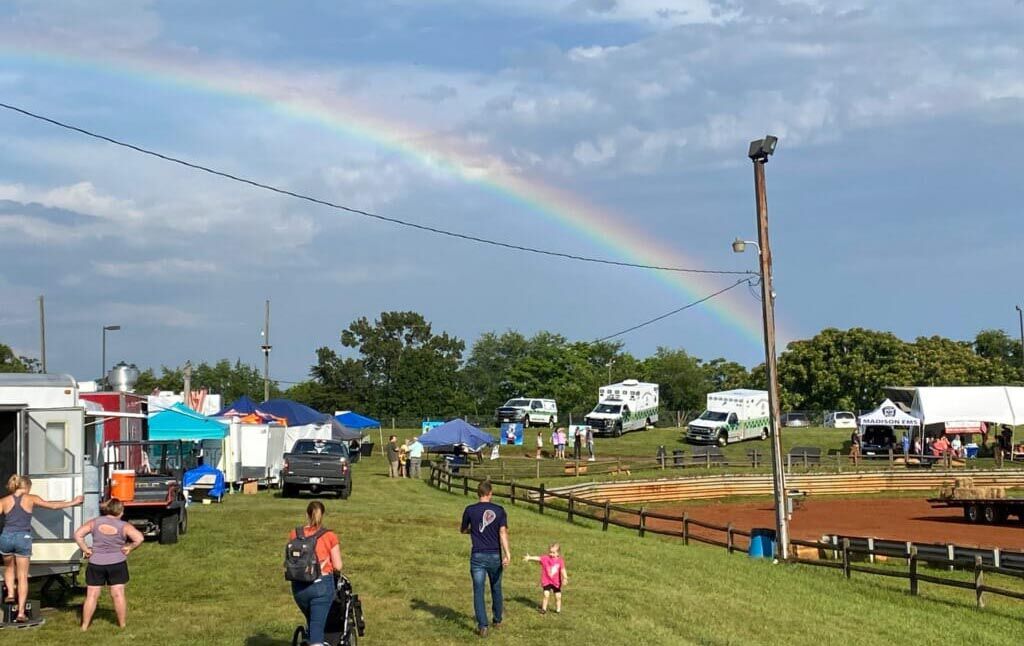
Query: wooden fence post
{"points": [[465, 485], [979, 582], [540, 506], [607, 513], [512, 492], [686, 528], [846, 557], [951, 555], [871, 549], [538, 469], [728, 538], [913, 571], [502, 463], [643, 514], [891, 463], [570, 507], [996, 557]]}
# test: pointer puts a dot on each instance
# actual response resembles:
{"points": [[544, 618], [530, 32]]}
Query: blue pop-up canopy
{"points": [[457, 432], [297, 414], [240, 407], [180, 422], [350, 419]]}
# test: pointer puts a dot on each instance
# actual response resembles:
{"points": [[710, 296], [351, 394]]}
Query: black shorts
{"points": [[100, 575], [552, 588]]}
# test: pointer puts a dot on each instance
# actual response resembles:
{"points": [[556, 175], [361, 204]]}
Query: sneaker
{"points": [[482, 631], [497, 625], [543, 611]]}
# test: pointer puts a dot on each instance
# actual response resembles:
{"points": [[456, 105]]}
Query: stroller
{"points": [[345, 623]]}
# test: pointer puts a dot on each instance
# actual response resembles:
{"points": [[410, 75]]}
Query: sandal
{"points": [[21, 620], [543, 611]]}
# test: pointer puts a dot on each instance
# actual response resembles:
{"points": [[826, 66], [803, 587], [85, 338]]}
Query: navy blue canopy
{"points": [[295, 413], [457, 432], [349, 419], [240, 407]]}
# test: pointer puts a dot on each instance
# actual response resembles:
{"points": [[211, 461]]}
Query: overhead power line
{"points": [[368, 214], [675, 311]]}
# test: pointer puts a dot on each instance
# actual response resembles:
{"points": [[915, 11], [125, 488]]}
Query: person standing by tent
{"points": [[112, 541], [487, 526], [392, 457], [415, 457], [16, 539]]}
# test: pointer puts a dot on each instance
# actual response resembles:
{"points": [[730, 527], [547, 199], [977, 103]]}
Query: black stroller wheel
{"points": [[352, 638], [299, 637]]}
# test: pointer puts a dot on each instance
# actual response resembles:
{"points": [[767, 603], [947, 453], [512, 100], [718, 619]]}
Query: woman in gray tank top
{"points": [[112, 540], [16, 539]]}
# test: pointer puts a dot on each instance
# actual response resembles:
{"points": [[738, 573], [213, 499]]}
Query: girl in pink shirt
{"points": [[553, 576]]}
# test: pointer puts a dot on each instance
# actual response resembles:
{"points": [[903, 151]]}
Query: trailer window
{"points": [[56, 446]]}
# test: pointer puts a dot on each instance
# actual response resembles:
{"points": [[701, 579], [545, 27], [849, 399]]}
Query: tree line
{"points": [[397, 365]]}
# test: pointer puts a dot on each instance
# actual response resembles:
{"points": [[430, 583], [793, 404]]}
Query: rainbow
{"points": [[325, 108]]}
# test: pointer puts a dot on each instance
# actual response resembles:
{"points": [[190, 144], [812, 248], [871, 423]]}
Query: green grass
{"points": [[223, 584]]}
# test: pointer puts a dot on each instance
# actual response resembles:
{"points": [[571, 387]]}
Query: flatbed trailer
{"points": [[985, 510]]}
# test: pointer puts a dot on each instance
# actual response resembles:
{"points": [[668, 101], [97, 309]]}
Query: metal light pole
{"points": [[42, 334], [106, 328], [759, 152], [266, 347], [1020, 315]]}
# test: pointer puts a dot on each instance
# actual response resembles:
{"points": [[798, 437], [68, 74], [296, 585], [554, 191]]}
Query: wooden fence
{"points": [[574, 505]]}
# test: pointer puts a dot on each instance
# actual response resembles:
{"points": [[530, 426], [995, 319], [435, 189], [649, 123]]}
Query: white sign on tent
{"points": [[888, 414]]}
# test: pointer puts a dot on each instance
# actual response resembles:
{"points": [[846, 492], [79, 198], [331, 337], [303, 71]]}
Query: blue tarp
{"points": [[192, 476], [456, 433], [355, 420], [180, 422], [297, 414], [240, 407]]}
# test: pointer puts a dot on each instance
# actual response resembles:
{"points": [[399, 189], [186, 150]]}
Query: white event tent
{"points": [[953, 404], [887, 414]]}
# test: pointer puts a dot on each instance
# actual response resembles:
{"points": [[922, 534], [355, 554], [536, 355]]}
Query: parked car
{"points": [[795, 420], [841, 419], [316, 465]]}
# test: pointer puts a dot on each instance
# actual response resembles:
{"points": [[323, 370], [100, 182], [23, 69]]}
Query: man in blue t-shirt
{"points": [[487, 526]]}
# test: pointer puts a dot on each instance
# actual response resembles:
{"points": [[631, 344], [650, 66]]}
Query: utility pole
{"points": [[187, 391], [266, 353], [42, 334], [1020, 316], [759, 152]]}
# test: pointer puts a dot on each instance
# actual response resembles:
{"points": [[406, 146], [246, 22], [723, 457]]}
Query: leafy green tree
{"points": [[408, 369], [10, 362], [997, 346], [683, 381], [231, 380], [721, 374]]}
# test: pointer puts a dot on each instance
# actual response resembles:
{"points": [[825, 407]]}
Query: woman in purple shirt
{"points": [[112, 540]]}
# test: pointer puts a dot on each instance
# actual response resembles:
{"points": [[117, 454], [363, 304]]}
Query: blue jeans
{"points": [[314, 600], [483, 566]]}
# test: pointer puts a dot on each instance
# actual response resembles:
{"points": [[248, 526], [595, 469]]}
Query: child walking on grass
{"points": [[553, 576]]}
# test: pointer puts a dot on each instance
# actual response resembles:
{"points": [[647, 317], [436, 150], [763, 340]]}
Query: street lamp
{"points": [[106, 328], [759, 152], [609, 366]]}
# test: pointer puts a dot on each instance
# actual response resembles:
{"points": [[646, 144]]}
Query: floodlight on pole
{"points": [[759, 152], [1020, 317]]}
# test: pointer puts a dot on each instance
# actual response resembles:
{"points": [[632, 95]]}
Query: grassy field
{"points": [[223, 584]]}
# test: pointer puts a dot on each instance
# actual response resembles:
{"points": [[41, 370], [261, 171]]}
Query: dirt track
{"points": [[905, 519]]}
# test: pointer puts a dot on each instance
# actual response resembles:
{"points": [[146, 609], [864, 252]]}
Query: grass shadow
{"points": [[444, 613], [263, 639], [525, 601]]}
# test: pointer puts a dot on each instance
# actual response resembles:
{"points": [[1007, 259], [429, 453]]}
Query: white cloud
{"points": [[165, 269], [90, 24]]}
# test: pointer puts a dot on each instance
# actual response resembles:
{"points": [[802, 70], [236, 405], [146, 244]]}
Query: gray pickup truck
{"points": [[317, 465]]}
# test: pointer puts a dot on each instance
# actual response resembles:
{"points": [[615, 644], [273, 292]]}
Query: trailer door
{"points": [[54, 443]]}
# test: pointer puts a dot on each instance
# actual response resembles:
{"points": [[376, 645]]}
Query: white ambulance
{"points": [[630, 405], [731, 416]]}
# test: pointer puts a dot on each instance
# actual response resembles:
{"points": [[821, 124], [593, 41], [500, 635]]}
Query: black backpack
{"points": [[300, 561]]}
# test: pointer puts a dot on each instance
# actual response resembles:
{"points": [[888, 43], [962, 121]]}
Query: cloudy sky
{"points": [[609, 128]]}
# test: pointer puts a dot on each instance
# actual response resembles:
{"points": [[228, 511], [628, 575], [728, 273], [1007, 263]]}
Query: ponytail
{"points": [[315, 513], [16, 482]]}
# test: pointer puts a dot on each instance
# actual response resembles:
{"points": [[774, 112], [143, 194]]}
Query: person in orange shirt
{"points": [[314, 599]]}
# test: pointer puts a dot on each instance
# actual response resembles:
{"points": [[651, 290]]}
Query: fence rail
{"points": [[844, 550]]}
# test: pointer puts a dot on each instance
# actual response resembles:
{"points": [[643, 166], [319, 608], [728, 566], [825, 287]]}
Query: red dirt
{"points": [[903, 519]]}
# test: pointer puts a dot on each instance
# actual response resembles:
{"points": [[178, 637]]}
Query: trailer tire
{"points": [[972, 513], [169, 529], [989, 514], [722, 439], [648, 424], [183, 521], [618, 429], [526, 422], [764, 433]]}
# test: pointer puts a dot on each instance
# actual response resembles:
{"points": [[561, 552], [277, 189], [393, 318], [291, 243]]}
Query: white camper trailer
{"points": [[44, 435]]}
